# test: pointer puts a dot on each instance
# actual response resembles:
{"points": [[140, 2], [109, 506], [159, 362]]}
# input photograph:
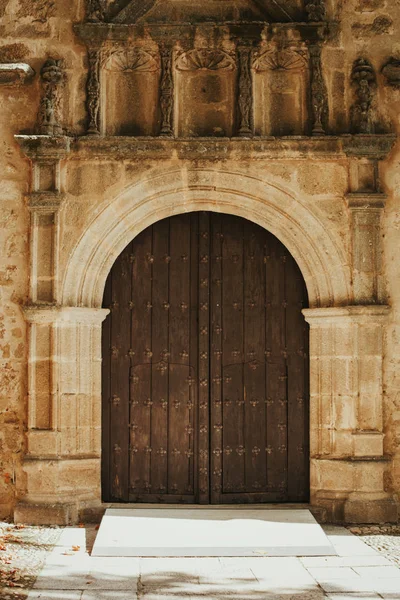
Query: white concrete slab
{"points": [[241, 531]]}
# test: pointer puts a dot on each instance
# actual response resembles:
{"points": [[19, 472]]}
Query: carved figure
{"points": [[245, 99], [391, 71], [316, 10], [166, 91], [319, 97], [93, 91], [96, 11], [50, 109], [363, 76]]}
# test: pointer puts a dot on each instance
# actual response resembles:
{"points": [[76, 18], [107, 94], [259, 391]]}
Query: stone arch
{"points": [[166, 194]]}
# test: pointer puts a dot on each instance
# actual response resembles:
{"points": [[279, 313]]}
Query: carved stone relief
{"points": [[316, 10], [135, 59], [276, 60], [245, 97], [96, 10], [319, 96], [213, 60], [93, 91], [50, 110], [391, 71], [364, 78], [166, 91]]}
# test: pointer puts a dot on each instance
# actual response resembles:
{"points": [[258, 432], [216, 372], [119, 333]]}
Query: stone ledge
{"points": [[91, 147], [370, 315], [47, 313], [14, 74]]}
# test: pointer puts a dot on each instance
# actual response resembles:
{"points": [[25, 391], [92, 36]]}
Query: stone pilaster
{"points": [[64, 411], [347, 461], [366, 205]]}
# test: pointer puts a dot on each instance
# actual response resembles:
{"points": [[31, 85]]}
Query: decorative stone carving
{"points": [[135, 59], [166, 91], [15, 73], [50, 110], [93, 91], [280, 60], [391, 71], [95, 11], [245, 98], [316, 10], [363, 76], [319, 96], [213, 60]]}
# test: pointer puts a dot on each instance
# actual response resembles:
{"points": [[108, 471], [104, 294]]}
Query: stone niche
{"points": [[280, 92], [130, 87], [205, 93]]}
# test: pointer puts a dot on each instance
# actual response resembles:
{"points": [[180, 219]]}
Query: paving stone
{"points": [[346, 561], [379, 572], [356, 596], [340, 586], [109, 595], [326, 573], [55, 595]]}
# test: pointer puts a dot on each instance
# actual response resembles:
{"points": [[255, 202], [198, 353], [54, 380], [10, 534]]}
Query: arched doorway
{"points": [[205, 367]]}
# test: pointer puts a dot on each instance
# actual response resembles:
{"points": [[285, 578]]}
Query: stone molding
{"points": [[64, 314], [353, 314], [15, 74]]}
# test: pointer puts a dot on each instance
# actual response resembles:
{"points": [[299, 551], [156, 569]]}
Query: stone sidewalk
{"points": [[358, 572]]}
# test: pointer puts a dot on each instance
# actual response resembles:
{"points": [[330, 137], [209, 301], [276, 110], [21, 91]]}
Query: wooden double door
{"points": [[205, 367]]}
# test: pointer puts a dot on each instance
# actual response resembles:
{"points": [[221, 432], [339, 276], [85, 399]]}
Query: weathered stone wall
{"points": [[31, 32]]}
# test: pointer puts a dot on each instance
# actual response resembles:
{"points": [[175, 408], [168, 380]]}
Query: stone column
{"points": [[64, 414], [319, 95], [347, 461], [245, 90], [167, 91], [93, 90]]}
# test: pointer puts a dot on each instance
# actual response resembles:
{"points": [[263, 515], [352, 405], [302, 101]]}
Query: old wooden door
{"points": [[205, 367]]}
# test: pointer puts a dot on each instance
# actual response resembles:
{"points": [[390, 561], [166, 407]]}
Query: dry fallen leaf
{"points": [[76, 548]]}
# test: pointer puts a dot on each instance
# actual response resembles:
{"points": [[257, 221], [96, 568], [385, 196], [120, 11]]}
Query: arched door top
{"points": [[147, 201]]}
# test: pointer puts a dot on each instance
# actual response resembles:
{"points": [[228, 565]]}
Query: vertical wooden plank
{"points": [[216, 421], [160, 364], [276, 399], [141, 354], [232, 376], [120, 363], [106, 394], [204, 355], [254, 369], [296, 344], [181, 379], [200, 478]]}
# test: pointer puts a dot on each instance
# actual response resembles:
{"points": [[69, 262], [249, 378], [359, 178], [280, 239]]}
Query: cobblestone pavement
{"points": [[385, 539], [23, 552], [367, 567]]}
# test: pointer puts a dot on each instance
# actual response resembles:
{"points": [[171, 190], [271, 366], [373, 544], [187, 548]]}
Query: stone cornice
{"points": [[39, 147], [257, 148], [99, 33]]}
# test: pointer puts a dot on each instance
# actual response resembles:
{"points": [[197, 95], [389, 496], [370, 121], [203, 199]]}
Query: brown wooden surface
{"points": [[205, 367]]}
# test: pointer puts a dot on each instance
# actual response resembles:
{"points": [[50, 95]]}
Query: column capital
{"points": [[42, 314], [374, 314], [366, 200]]}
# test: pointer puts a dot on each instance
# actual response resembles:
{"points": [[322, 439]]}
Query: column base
{"points": [[371, 510], [45, 514]]}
